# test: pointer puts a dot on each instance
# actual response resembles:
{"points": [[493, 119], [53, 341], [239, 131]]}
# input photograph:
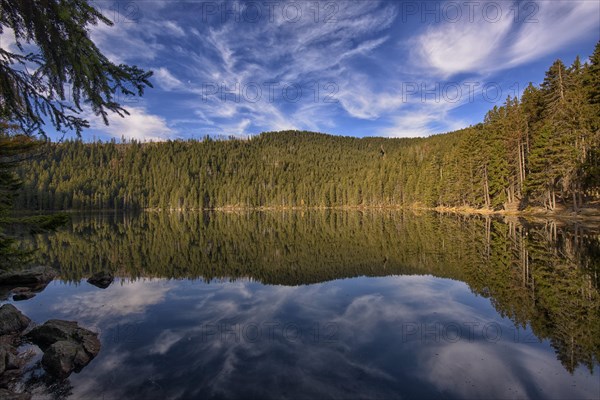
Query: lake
{"points": [[326, 304]]}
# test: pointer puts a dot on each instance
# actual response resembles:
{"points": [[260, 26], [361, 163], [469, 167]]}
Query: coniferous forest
{"points": [[541, 150]]}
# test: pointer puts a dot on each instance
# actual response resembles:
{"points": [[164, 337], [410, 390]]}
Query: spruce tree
{"points": [[66, 69]]}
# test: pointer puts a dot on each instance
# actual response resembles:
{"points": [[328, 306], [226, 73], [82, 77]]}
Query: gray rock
{"points": [[31, 275], [64, 357], [3, 357], [6, 394], [12, 320], [23, 296], [67, 347], [10, 363], [7, 290], [52, 331], [101, 279], [20, 289], [8, 357]]}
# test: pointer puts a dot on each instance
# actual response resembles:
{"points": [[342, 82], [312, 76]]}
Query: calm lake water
{"points": [[327, 304]]}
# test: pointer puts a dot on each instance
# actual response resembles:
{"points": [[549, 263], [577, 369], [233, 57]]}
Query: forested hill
{"points": [[540, 150]]}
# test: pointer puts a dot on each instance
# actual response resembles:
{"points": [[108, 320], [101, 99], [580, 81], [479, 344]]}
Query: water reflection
{"points": [[483, 307]]}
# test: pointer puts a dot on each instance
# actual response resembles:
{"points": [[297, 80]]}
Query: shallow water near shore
{"points": [[326, 304]]}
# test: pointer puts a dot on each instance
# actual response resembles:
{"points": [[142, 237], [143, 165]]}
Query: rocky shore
{"points": [[66, 346]]}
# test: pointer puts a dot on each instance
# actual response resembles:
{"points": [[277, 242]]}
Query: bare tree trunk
{"points": [[488, 236], [562, 93], [486, 188], [552, 199], [522, 171]]}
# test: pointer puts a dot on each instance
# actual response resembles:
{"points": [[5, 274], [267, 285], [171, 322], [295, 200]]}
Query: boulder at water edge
{"points": [[67, 347]]}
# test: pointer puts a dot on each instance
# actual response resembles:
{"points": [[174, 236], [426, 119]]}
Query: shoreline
{"points": [[585, 213]]}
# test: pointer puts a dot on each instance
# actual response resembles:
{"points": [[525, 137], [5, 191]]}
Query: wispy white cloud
{"points": [[513, 366], [139, 124], [137, 35], [559, 24], [174, 28], [411, 124], [360, 100], [166, 80], [485, 44], [303, 53], [424, 120], [125, 42], [123, 299], [452, 48]]}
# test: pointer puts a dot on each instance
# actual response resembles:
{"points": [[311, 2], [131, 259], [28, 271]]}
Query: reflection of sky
{"points": [[411, 336]]}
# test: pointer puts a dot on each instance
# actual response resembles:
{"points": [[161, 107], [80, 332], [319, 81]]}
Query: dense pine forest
{"points": [[539, 150]]}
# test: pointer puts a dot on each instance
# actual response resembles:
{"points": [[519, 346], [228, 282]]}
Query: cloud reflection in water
{"points": [[408, 336]]}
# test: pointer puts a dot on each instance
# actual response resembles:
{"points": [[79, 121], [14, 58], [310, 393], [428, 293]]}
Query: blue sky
{"points": [[394, 69]]}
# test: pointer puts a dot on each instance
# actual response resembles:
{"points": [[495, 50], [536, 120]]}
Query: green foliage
{"points": [[65, 70], [14, 150]]}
